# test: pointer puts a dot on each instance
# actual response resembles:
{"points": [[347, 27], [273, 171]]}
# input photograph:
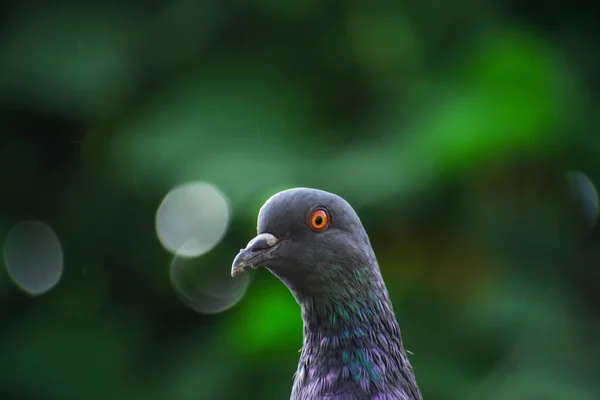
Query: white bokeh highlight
{"points": [[33, 257], [192, 219], [207, 288], [583, 189]]}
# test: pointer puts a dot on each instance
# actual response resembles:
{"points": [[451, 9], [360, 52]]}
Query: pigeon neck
{"points": [[350, 317], [352, 342]]}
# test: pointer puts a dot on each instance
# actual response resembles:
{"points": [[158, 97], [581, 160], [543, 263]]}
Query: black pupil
{"points": [[318, 220]]}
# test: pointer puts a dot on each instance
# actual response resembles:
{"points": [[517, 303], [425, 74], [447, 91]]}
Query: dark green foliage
{"points": [[448, 126]]}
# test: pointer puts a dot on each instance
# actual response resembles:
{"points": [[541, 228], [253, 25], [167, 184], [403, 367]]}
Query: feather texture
{"points": [[352, 344], [352, 347]]}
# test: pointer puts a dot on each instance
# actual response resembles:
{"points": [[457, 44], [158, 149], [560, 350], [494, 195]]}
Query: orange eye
{"points": [[319, 219]]}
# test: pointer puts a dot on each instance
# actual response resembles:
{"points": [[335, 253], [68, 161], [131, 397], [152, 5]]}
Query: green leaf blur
{"points": [[465, 135]]}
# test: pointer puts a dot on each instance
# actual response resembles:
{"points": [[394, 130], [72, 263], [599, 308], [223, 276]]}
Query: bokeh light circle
{"points": [[192, 219], [584, 191], [33, 257], [205, 287]]}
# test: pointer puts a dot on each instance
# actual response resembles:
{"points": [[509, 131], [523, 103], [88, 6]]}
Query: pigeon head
{"points": [[309, 239], [314, 242]]}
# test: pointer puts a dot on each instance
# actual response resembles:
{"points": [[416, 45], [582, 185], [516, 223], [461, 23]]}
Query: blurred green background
{"points": [[465, 134]]}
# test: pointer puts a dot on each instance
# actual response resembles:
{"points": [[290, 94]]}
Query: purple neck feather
{"points": [[352, 344]]}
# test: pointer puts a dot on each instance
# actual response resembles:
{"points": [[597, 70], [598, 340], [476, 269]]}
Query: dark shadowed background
{"points": [[138, 140]]}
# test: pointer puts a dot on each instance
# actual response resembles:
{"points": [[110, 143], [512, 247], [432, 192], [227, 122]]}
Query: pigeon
{"points": [[315, 243]]}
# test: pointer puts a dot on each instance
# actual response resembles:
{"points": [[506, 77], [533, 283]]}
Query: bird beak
{"points": [[258, 250]]}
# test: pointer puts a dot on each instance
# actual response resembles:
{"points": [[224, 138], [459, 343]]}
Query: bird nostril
{"points": [[262, 245]]}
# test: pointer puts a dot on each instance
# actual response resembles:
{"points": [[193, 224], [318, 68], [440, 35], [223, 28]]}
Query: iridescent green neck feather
{"points": [[352, 344]]}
